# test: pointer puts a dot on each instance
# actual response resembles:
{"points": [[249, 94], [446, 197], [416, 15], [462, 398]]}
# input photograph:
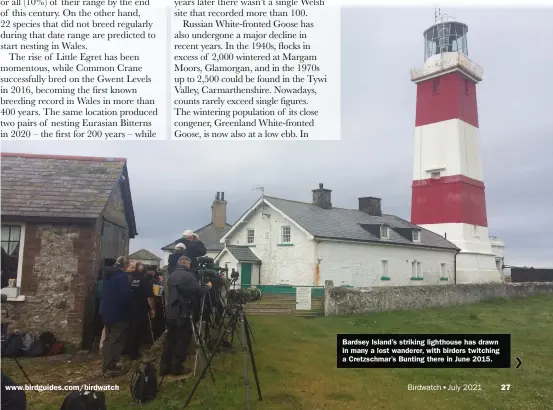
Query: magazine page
{"points": [[380, 238]]}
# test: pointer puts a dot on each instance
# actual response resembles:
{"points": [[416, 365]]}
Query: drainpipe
{"points": [[455, 267]]}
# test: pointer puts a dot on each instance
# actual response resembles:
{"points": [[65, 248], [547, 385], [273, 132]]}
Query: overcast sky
{"points": [[174, 183]]}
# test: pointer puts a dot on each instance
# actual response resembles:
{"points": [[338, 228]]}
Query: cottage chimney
{"points": [[219, 211], [370, 205], [322, 197]]}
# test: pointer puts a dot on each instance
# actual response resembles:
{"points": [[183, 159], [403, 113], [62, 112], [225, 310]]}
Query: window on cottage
{"points": [[436, 86], [11, 243], [419, 269], [286, 234], [385, 268], [251, 236], [384, 232], [416, 236], [413, 269], [443, 270]]}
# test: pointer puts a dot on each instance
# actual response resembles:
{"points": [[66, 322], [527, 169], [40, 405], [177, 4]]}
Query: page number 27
{"points": [[505, 387]]}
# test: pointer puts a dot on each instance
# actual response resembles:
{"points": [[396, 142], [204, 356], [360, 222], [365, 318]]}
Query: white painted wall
{"points": [[476, 263], [452, 145], [165, 258], [468, 238], [360, 265], [292, 265]]}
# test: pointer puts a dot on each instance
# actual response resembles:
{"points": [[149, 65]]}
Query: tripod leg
{"points": [[199, 342], [202, 374], [244, 343], [22, 371], [249, 329], [252, 358]]}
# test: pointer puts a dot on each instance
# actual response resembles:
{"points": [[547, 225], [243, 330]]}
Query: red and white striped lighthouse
{"points": [[448, 190]]}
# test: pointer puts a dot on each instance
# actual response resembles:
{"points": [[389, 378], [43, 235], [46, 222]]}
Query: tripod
{"points": [[237, 316]]}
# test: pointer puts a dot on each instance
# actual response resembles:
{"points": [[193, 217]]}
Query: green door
{"points": [[246, 275]]}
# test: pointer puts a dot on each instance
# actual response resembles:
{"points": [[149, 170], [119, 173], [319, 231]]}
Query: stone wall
{"points": [[58, 268], [340, 301]]}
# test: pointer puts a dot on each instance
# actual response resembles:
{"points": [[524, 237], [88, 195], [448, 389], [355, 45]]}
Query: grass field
{"points": [[296, 358]]}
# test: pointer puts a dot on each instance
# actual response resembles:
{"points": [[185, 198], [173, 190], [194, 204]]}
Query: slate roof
{"points": [[209, 235], [54, 186], [339, 223], [144, 255], [243, 254]]}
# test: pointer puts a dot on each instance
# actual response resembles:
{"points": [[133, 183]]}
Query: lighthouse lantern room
{"points": [[448, 186]]}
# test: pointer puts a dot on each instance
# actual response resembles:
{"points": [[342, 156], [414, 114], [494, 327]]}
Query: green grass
{"points": [[296, 358]]}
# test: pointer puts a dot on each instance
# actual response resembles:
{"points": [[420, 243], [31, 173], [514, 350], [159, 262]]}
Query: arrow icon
{"points": [[519, 362]]}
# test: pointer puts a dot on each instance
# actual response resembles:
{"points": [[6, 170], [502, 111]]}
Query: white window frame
{"points": [[414, 269], [19, 259], [419, 270], [387, 230], [283, 235], [418, 234], [248, 236], [385, 268]]}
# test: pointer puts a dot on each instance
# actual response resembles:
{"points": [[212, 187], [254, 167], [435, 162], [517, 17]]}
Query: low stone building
{"points": [[145, 257], [61, 218]]}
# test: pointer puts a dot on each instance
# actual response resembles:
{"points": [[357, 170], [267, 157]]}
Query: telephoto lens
{"points": [[244, 295]]}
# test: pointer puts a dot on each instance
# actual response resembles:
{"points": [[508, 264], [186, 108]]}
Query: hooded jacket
{"points": [[115, 296], [183, 291]]}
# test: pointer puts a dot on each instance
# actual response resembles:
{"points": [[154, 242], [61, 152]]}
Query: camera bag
{"points": [[85, 400], [144, 383]]}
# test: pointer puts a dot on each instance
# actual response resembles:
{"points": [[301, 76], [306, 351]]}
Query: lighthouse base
{"points": [[476, 268], [476, 263]]}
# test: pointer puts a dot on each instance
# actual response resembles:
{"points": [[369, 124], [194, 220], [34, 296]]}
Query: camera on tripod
{"points": [[208, 271], [244, 295]]}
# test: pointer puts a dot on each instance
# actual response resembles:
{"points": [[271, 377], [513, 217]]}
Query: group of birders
{"points": [[130, 309]]}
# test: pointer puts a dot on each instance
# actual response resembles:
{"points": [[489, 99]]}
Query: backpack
{"points": [[85, 400], [13, 346], [57, 348], [144, 383], [32, 347], [48, 340]]}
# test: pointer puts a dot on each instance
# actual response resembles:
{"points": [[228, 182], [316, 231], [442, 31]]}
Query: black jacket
{"points": [[194, 249], [183, 292], [173, 258]]}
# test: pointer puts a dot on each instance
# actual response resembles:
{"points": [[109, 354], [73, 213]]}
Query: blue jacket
{"points": [[115, 296]]}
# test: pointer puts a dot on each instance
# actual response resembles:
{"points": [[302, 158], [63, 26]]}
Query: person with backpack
{"points": [[115, 314]]}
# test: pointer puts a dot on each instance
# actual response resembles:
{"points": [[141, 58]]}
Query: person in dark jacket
{"points": [[115, 314], [183, 292], [142, 306], [12, 399], [194, 247]]}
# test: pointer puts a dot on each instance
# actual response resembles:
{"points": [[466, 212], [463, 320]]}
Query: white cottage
{"points": [[280, 242]]}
